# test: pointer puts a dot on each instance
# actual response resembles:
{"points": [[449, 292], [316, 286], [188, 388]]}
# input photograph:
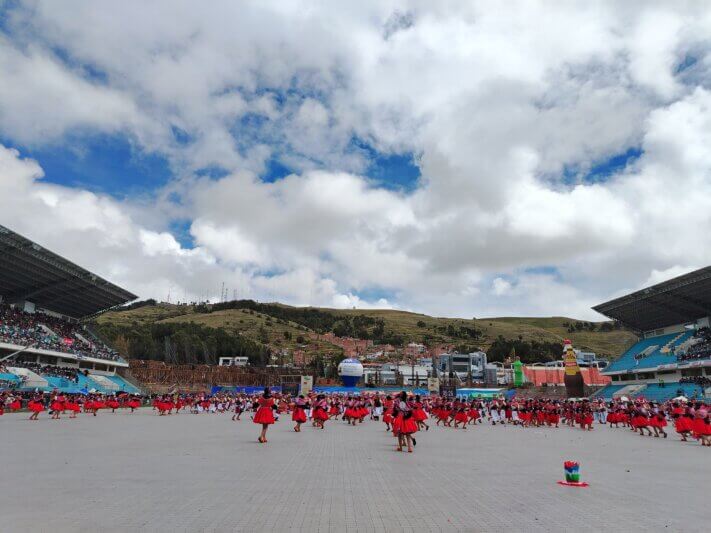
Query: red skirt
{"points": [[264, 416], [16, 405], [397, 425], [319, 414], [299, 415], [419, 414], [682, 425], [57, 406], [35, 407], [461, 417], [553, 418], [73, 406], [700, 428], [658, 422], [351, 413], [408, 426], [387, 418]]}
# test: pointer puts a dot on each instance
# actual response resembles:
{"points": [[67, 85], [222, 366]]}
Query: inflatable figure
{"points": [[573, 379], [517, 372]]}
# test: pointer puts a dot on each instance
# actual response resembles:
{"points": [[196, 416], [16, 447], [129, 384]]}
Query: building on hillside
{"points": [[463, 365], [413, 350], [396, 374], [233, 361], [673, 354], [351, 347]]}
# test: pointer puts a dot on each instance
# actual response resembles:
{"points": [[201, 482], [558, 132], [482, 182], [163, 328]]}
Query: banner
{"points": [[307, 384]]}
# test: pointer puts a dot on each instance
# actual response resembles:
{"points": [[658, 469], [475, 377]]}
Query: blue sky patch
{"points": [[397, 172], [180, 229], [213, 172], [107, 164], [275, 171], [373, 294], [544, 270], [602, 170], [686, 63]]}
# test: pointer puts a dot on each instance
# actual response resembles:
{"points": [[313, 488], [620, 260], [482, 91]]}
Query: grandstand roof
{"points": [[676, 301], [30, 272]]}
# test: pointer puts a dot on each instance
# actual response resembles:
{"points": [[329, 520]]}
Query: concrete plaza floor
{"points": [[141, 472]]}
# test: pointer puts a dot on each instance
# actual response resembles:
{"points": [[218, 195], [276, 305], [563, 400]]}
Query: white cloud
{"points": [[500, 286], [506, 107]]}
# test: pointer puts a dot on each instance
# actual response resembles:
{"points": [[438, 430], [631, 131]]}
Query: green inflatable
{"points": [[518, 373]]}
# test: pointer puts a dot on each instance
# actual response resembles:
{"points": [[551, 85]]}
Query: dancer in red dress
{"points": [[299, 414], [57, 405], [320, 414], [406, 425], [264, 415], [419, 414], [36, 406], [113, 404], [72, 405]]}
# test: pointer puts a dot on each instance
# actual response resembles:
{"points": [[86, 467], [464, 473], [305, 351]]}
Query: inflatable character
{"points": [[517, 372], [573, 378]]}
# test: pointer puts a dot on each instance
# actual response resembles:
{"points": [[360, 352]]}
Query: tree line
{"points": [[529, 351], [181, 343]]}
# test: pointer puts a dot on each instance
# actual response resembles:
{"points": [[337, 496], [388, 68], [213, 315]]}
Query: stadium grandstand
{"points": [[44, 300], [673, 355]]}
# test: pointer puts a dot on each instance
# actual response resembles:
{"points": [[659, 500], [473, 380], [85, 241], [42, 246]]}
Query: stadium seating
{"points": [[657, 393], [124, 385], [606, 392], [655, 350], [49, 333], [29, 379], [104, 382], [8, 377], [87, 383], [697, 348], [61, 384]]}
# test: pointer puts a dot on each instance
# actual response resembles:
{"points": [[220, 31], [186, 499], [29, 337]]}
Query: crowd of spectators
{"points": [[49, 370], [26, 329], [701, 349], [701, 381]]}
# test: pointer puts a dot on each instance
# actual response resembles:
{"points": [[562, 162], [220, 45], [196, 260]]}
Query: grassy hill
{"points": [[286, 328]]}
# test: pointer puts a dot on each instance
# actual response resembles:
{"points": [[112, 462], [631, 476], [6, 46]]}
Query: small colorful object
{"points": [[572, 475]]}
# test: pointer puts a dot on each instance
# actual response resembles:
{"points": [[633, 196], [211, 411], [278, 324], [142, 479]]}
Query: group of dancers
{"points": [[403, 414], [57, 403], [690, 419]]}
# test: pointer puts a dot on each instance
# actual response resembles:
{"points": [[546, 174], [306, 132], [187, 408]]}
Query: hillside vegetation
{"points": [[270, 332]]}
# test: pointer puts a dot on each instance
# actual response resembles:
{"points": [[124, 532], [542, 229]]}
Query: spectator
{"points": [[49, 333]]}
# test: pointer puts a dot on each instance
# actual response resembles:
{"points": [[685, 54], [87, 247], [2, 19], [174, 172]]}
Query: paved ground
{"points": [[127, 472]]}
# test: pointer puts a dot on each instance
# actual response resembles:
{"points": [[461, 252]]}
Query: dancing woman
{"points": [[419, 414], [299, 414], [36, 406], [264, 415], [407, 427], [320, 411]]}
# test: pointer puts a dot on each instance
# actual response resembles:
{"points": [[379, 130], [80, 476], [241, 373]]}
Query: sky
{"points": [[468, 159]]}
